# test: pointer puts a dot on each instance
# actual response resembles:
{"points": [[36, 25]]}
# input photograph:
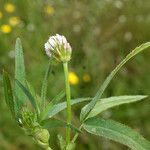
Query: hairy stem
{"points": [[68, 98]]}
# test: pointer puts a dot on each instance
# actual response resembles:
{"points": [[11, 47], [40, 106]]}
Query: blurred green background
{"points": [[101, 33]]}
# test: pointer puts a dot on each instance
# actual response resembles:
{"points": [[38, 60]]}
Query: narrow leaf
{"points": [[52, 123], [29, 95], [54, 101], [70, 146], [8, 93], [106, 103], [90, 106], [62, 142], [31, 89], [19, 71], [44, 86], [63, 146], [61, 106], [117, 132]]}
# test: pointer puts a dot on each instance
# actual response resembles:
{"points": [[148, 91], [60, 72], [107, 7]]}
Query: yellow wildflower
{"points": [[14, 21], [86, 77], [5, 28], [49, 10], [10, 8], [1, 15], [73, 78]]}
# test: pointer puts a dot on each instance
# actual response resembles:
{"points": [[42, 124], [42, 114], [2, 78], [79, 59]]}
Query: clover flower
{"points": [[58, 48]]}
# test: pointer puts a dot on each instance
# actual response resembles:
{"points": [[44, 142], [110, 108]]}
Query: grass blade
{"points": [[9, 94], [54, 101], [30, 97], [19, 71], [106, 103], [44, 86], [117, 132], [90, 106]]}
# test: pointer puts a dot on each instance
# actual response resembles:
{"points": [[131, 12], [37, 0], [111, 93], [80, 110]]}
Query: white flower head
{"points": [[58, 47]]}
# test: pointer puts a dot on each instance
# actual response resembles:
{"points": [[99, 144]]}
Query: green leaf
{"points": [[117, 132], [62, 142], [61, 106], [8, 94], [63, 146], [52, 123], [90, 106], [54, 101], [44, 86], [19, 71], [33, 93], [30, 96], [31, 89], [70, 146], [106, 103]]}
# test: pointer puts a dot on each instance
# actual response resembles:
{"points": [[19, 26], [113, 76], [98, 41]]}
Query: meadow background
{"points": [[101, 33]]}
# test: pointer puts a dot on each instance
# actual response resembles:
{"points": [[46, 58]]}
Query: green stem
{"points": [[76, 135], [68, 98]]}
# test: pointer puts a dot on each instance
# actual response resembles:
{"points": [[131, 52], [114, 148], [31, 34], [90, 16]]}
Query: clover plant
{"points": [[37, 121]]}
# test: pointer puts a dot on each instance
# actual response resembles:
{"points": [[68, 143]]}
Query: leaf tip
{"points": [[18, 39], [145, 96]]}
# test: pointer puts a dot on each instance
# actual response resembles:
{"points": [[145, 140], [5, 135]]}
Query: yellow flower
{"points": [[73, 78], [86, 77], [49, 10], [10, 8], [5, 28], [1, 15], [14, 21]]}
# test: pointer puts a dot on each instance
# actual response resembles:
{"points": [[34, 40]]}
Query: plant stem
{"points": [[68, 98], [76, 135]]}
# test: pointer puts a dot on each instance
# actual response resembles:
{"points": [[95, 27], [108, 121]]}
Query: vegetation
{"points": [[98, 38]]}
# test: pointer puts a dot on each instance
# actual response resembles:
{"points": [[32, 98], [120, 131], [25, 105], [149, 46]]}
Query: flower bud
{"points": [[41, 136], [28, 119], [58, 48]]}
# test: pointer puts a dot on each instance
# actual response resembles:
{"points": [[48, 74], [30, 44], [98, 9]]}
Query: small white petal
{"points": [[47, 46], [69, 47], [59, 39], [64, 39], [56, 45], [48, 52], [52, 42]]}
